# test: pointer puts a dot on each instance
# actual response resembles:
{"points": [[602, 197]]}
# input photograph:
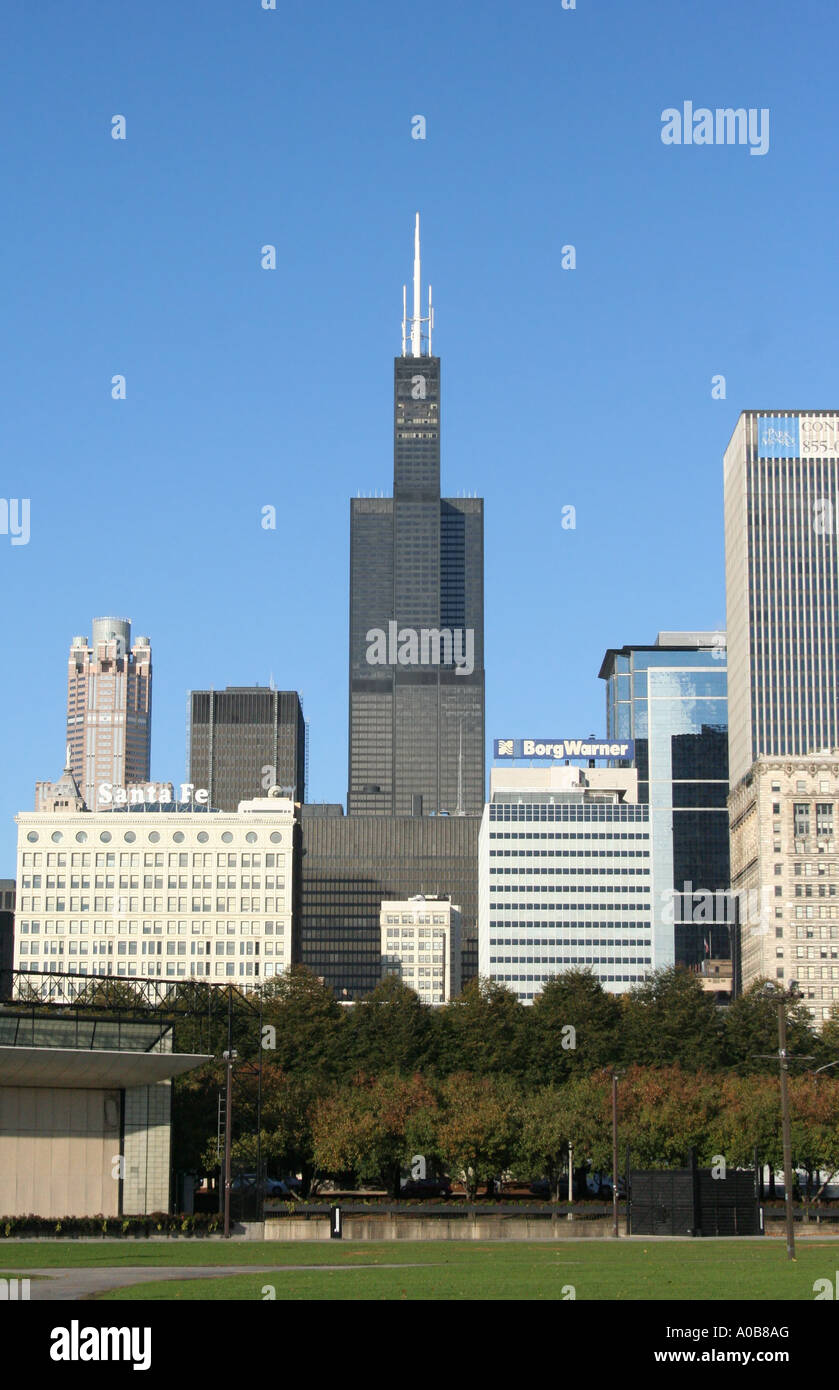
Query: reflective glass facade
{"points": [[673, 702], [350, 865], [238, 733]]}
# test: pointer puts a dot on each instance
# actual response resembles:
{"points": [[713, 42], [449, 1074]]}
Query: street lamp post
{"points": [[229, 1058], [785, 1118], [782, 998], [615, 1231]]}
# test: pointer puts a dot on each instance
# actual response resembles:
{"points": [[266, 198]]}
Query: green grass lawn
{"points": [[461, 1270]]}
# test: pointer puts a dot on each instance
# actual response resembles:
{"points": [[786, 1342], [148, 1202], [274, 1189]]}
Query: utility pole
{"points": [[782, 998], [783, 1063]]}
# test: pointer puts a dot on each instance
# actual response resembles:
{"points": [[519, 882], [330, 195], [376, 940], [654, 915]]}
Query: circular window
{"points": [[105, 837], [203, 837], [250, 837], [276, 838], [178, 837], [57, 836], [129, 837], [32, 836], [154, 836], [81, 837], [226, 837]]}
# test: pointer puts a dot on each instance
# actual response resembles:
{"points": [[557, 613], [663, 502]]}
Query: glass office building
{"points": [[671, 699], [350, 865]]}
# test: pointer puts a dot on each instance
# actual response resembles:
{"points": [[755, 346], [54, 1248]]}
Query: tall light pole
{"points": [[229, 1058], [782, 998], [614, 1075]]}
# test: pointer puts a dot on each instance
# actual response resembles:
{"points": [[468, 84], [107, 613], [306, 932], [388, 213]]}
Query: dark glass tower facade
{"points": [[416, 677], [350, 865], [245, 739], [671, 698]]}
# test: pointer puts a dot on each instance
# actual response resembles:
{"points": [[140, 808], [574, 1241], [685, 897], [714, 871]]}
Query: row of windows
{"points": [[568, 835], [153, 881], [151, 904], [530, 925], [588, 811], [100, 928], [175, 971], [568, 960], [436, 917], [569, 853], [519, 871], [153, 948], [570, 888], [153, 837], [598, 941], [540, 979], [111, 859]]}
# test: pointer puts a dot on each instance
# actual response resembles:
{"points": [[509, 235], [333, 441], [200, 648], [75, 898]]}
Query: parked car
{"points": [[426, 1187], [271, 1187]]}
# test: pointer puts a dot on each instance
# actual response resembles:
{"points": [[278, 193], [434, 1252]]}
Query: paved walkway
{"points": [[58, 1285]]}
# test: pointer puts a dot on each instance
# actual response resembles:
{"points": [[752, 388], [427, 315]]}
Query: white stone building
{"points": [[421, 944], [155, 892]]}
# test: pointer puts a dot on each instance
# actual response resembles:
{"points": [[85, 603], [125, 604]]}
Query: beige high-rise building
{"points": [[108, 710], [785, 872], [782, 585]]}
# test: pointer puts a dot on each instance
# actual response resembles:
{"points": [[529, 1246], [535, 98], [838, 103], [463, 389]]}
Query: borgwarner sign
{"points": [[553, 748]]}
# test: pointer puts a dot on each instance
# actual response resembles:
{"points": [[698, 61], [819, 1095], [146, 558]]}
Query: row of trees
{"points": [[572, 1027], [476, 1127]]}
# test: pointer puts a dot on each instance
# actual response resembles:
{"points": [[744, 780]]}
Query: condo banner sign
{"points": [[554, 749], [797, 436]]}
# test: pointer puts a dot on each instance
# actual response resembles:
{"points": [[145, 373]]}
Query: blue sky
{"points": [[248, 387]]}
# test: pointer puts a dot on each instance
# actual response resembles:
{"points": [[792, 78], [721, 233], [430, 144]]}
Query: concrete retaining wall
{"points": [[438, 1228]]}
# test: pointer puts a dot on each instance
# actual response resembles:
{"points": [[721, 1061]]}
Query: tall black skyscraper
{"points": [[416, 614], [243, 740]]}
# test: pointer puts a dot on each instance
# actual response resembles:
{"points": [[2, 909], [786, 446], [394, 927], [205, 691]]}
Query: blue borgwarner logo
{"points": [[778, 437]]}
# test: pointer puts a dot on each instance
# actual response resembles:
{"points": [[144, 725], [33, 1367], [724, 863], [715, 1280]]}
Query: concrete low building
{"points": [[85, 1112], [421, 944]]}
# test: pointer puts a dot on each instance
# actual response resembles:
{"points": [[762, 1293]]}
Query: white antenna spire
{"points": [[416, 320]]}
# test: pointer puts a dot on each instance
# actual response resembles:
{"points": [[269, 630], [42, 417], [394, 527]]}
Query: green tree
{"points": [[573, 1026], [670, 1018], [750, 1031], [307, 1021], [665, 1112], [482, 1031], [287, 1112], [543, 1138], [478, 1128], [390, 1030], [374, 1126], [587, 1104]]}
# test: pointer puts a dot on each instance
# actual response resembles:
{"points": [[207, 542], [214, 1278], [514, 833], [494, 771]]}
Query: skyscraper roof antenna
{"points": [[416, 320]]}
